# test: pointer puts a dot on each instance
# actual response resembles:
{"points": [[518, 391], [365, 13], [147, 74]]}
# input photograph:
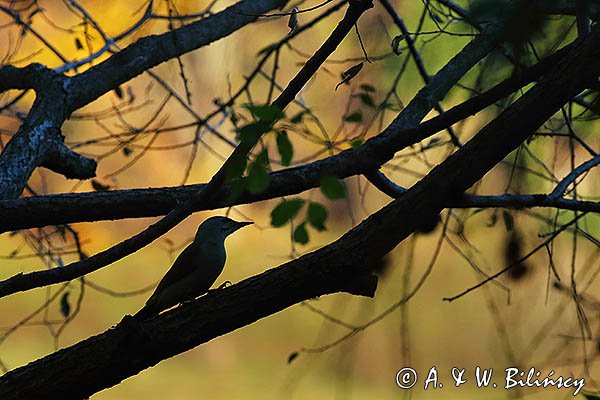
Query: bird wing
{"points": [[181, 268]]}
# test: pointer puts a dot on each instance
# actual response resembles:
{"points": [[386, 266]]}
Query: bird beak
{"points": [[243, 224]]}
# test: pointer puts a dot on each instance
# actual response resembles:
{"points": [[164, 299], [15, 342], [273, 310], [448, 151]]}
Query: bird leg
{"points": [[223, 286]]}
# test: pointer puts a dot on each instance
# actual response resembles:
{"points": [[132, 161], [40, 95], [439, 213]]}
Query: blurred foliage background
{"points": [[521, 320]]}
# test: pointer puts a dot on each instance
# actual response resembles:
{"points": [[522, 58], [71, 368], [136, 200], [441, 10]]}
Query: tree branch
{"points": [[86, 207], [151, 51], [57, 96]]}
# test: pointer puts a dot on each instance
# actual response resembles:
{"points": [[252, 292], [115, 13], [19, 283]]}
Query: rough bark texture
{"points": [[57, 96]]}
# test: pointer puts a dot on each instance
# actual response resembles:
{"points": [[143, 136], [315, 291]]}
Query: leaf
{"points": [[292, 357], [317, 215], [509, 222], [356, 116], [356, 143], [65, 307], [119, 92], [301, 234], [586, 395], [349, 74], [285, 211], [265, 112], [258, 174], [296, 119], [333, 188], [61, 229], [367, 88], [99, 187], [366, 99], [250, 133], [285, 148]]}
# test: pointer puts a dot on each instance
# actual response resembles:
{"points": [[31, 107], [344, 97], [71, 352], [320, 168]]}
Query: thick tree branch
{"points": [[133, 345], [12, 77]]}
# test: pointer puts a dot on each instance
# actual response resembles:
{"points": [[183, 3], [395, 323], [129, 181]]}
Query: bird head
{"points": [[218, 227]]}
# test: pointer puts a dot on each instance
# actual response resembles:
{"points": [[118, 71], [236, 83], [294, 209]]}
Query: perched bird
{"points": [[195, 269]]}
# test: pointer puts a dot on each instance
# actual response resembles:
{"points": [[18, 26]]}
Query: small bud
{"points": [[349, 74]]}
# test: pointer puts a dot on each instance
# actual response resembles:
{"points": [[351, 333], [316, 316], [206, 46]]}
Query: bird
{"points": [[195, 269]]}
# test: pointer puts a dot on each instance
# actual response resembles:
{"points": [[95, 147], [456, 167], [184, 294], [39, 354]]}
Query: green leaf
{"points": [[301, 234], [285, 148], [356, 116], [367, 88], [258, 174], [590, 396], [356, 143], [296, 119], [333, 188], [285, 211], [317, 215], [250, 133], [265, 112], [509, 222]]}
